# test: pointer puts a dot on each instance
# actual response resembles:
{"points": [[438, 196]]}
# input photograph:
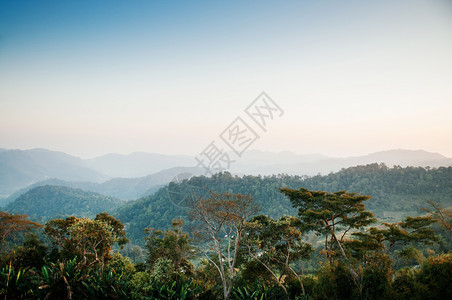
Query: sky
{"points": [[351, 77]]}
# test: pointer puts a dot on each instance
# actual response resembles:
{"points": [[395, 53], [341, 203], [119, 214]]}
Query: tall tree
{"points": [[332, 215], [442, 215], [222, 218], [171, 244], [276, 244]]}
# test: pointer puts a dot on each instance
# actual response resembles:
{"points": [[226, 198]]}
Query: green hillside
{"points": [[49, 202], [396, 193]]}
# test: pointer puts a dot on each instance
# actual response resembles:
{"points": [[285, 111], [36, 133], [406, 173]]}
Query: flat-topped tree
{"points": [[330, 214], [412, 230]]}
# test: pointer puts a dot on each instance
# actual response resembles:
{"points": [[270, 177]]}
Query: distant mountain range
{"points": [[396, 193], [137, 164], [264, 163], [137, 174], [122, 188], [20, 168]]}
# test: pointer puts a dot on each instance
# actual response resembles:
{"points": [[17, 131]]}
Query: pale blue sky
{"points": [[353, 77]]}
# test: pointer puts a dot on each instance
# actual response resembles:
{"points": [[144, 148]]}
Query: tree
{"points": [[331, 214], [222, 218], [173, 245], [435, 278], [410, 230], [10, 225], [31, 254], [116, 227], [89, 240], [441, 215], [92, 239], [276, 244]]}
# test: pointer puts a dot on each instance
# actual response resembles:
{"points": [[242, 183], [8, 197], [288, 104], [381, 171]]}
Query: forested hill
{"points": [[392, 189], [48, 202], [396, 192]]}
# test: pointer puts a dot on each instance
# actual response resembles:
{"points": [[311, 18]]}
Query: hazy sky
{"points": [[353, 77]]}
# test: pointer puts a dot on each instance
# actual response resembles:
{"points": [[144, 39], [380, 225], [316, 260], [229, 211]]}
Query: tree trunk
{"points": [[352, 271], [271, 272]]}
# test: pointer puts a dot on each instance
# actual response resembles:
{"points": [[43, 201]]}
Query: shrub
{"points": [[434, 281]]}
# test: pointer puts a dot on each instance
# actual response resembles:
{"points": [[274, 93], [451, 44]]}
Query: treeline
{"points": [[396, 193], [393, 188], [233, 251]]}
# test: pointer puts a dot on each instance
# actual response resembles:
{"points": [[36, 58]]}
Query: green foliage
{"points": [[64, 280], [243, 293], [392, 189], [141, 285], [254, 270], [257, 291], [31, 254], [409, 231], [331, 214], [163, 271], [115, 227], [48, 202], [207, 274], [435, 278], [121, 264], [431, 281], [16, 283], [404, 284], [108, 284], [321, 211], [74, 279], [83, 266], [410, 256], [221, 217], [69, 280], [90, 240], [334, 281], [173, 245], [276, 244], [375, 279], [396, 193], [160, 284]]}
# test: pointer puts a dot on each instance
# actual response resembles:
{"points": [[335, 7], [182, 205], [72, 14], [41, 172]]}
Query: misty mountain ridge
{"points": [[20, 168], [268, 163], [121, 188], [130, 176], [396, 193], [137, 164]]}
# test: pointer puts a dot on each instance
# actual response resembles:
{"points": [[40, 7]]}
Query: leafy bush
{"points": [[434, 281], [404, 284], [334, 281], [259, 291], [375, 281]]}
